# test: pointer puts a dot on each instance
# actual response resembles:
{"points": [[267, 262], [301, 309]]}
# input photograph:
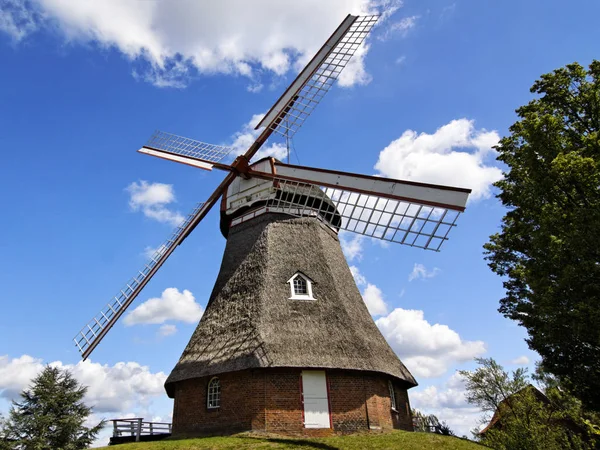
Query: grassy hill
{"points": [[395, 440]]}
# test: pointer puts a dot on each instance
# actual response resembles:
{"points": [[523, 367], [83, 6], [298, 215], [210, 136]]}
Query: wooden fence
{"points": [[135, 429]]}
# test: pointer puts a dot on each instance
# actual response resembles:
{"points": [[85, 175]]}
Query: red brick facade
{"points": [[271, 400]]}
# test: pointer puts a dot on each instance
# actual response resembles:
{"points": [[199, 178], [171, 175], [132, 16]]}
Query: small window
{"points": [[392, 396], [213, 398], [300, 287]]}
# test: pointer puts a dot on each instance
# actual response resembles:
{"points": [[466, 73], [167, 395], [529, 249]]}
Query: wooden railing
{"points": [[136, 427]]}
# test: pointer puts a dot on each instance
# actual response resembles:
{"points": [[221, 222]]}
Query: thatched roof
{"points": [[250, 322]]}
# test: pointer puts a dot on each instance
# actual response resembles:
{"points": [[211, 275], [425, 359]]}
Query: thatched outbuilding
{"points": [[286, 343]]}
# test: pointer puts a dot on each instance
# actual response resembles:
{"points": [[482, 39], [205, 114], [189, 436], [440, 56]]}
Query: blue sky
{"points": [[82, 86]]}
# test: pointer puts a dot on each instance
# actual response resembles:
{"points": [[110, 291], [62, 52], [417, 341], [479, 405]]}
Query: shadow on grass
{"points": [[290, 442]]}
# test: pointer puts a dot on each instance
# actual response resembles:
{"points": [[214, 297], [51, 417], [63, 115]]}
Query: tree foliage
{"points": [[429, 423], [524, 418], [548, 248], [50, 415]]}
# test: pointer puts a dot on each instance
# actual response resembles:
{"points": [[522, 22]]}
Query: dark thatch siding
{"points": [[250, 322]]}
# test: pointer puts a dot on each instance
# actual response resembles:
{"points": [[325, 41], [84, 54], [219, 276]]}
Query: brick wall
{"points": [[270, 400]]}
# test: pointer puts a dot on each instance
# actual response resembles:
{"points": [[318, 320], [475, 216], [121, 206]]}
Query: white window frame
{"points": [[213, 395], [308, 295], [394, 406]]}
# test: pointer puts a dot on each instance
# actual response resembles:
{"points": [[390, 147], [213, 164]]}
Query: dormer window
{"points": [[300, 287]]}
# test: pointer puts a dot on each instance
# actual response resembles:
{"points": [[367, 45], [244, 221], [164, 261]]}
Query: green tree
{"points": [[548, 248], [50, 415], [430, 424], [524, 418]]}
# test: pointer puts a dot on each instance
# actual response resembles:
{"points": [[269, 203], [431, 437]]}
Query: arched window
{"points": [[213, 396], [300, 287], [392, 396]]}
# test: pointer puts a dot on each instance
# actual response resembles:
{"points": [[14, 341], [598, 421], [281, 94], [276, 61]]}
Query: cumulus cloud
{"points": [[171, 305], [371, 294], [520, 361], [419, 271], [110, 388], [373, 298], [15, 374], [427, 350], [167, 329], [399, 28], [169, 42], [447, 401], [456, 154], [152, 199], [244, 138], [352, 245], [355, 72]]}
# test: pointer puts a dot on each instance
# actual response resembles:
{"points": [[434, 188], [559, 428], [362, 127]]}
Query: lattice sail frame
{"points": [[312, 92], [403, 222], [183, 146], [94, 329]]}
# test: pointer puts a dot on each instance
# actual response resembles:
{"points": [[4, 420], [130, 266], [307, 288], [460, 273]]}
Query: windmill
{"points": [[285, 314]]}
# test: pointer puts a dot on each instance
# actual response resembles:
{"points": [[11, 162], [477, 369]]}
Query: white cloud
{"points": [[255, 88], [16, 19], [401, 28], [433, 397], [352, 245], [355, 73], [151, 199], [444, 157], [400, 60], [447, 401], [244, 138], [110, 388], [520, 361], [172, 305], [15, 374], [373, 298], [149, 252], [169, 42], [427, 350], [167, 330], [419, 271], [371, 294], [359, 278]]}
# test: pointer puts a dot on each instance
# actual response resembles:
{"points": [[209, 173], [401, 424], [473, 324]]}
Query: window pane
{"points": [[213, 398], [300, 287], [392, 395]]}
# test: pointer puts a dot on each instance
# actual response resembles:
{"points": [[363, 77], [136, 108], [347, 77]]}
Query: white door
{"points": [[316, 403]]}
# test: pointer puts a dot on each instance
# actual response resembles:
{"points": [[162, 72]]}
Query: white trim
{"points": [[293, 295]]}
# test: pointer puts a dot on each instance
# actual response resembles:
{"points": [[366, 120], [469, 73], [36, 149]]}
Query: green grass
{"points": [[394, 440]]}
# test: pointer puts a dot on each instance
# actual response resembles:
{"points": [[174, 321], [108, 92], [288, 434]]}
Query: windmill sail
{"points": [[181, 149], [93, 332], [288, 114], [415, 214]]}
